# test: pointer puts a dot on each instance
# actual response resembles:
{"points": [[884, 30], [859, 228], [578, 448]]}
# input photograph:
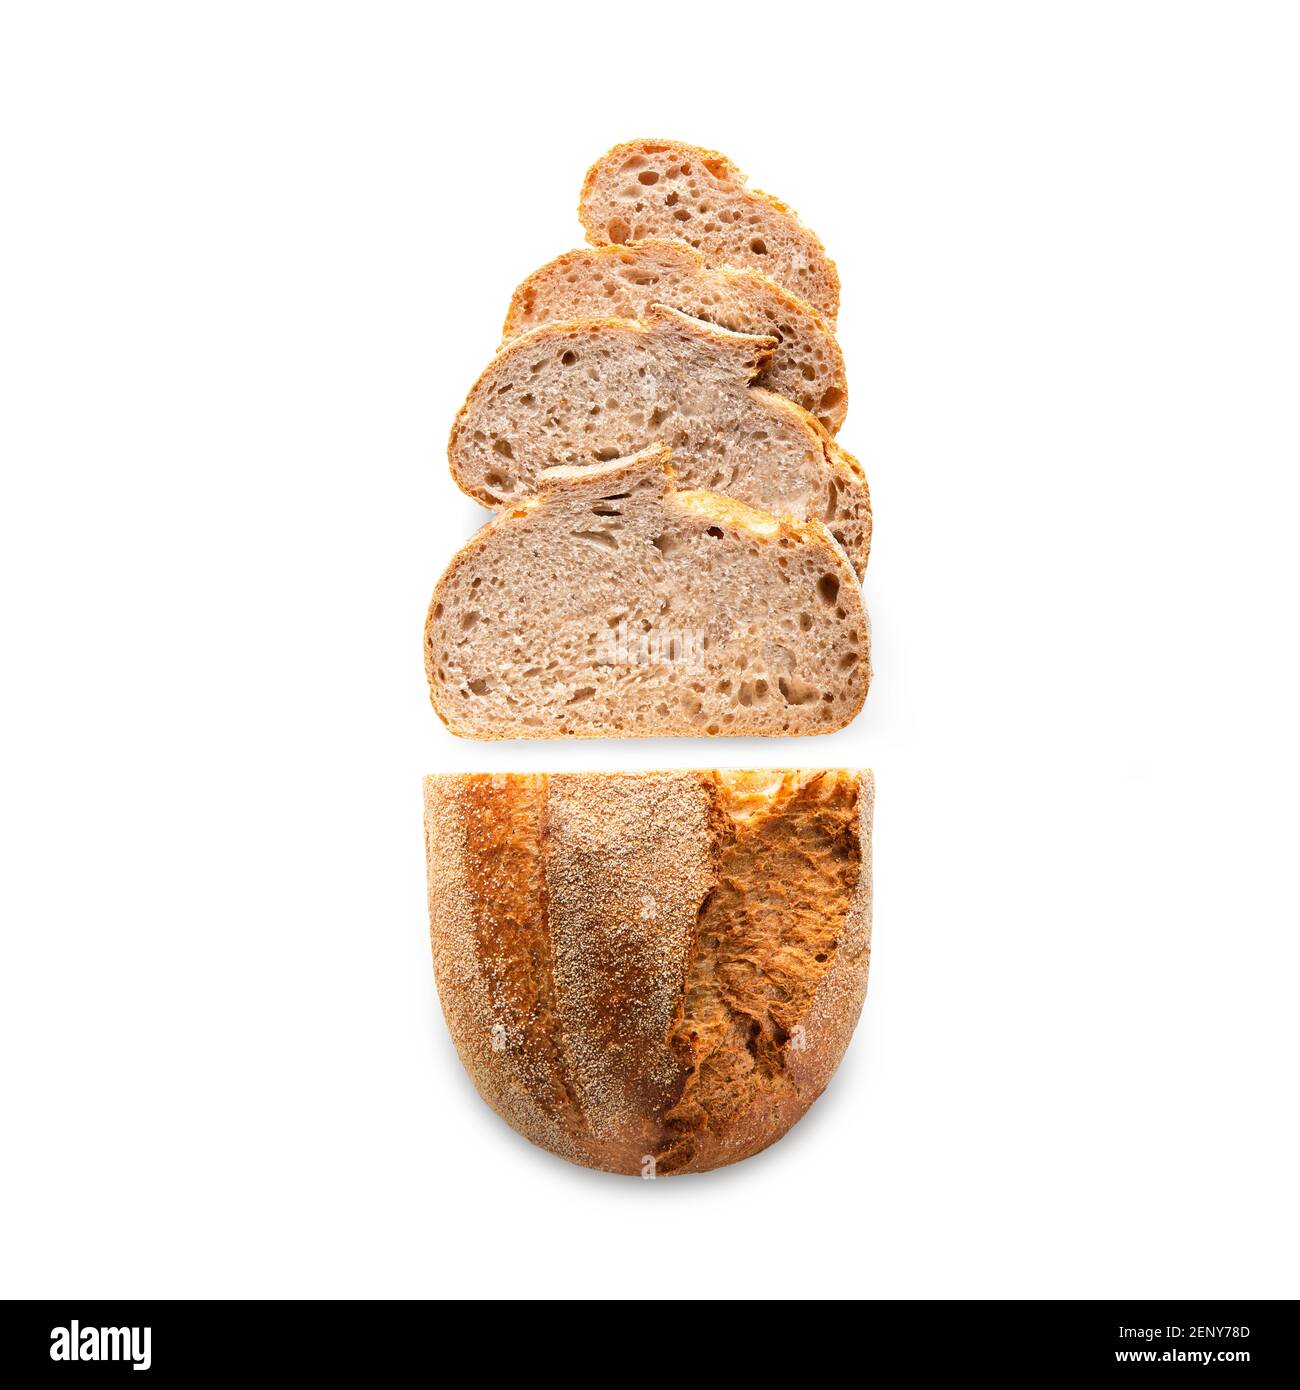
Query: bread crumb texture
{"points": [[651, 973], [619, 607], [585, 391], [661, 188], [623, 282]]}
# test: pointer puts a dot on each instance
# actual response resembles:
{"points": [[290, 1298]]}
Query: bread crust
{"points": [[591, 889]]}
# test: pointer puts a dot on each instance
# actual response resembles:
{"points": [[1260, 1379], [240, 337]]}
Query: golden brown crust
{"points": [[651, 970], [626, 865], [484, 840]]}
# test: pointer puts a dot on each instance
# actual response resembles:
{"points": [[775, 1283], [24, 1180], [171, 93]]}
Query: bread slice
{"points": [[615, 606], [661, 188], [596, 389], [622, 282], [651, 973]]}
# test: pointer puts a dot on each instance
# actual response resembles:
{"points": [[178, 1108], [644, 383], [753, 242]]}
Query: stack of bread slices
{"points": [[656, 972], [679, 536]]}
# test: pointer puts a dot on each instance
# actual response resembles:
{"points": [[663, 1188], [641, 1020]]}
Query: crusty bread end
{"points": [[651, 973]]}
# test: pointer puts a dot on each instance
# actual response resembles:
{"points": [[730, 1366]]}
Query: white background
{"points": [[254, 255]]}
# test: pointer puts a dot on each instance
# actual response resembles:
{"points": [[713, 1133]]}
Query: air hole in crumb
{"points": [[714, 531], [603, 539], [650, 176], [828, 589], [618, 230], [569, 357], [758, 246], [482, 686], [795, 692], [502, 447]]}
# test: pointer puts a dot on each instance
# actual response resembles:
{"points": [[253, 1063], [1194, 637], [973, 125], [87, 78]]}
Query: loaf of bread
{"points": [[596, 389], [806, 367], [616, 606], [661, 188], [651, 973]]}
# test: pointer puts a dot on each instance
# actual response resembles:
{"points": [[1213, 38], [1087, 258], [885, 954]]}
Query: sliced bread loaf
{"points": [[613, 606], [623, 281], [656, 972], [596, 389], [661, 188]]}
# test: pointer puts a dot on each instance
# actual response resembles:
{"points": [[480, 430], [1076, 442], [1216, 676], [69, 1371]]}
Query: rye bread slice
{"points": [[807, 366], [613, 605], [662, 188], [574, 393]]}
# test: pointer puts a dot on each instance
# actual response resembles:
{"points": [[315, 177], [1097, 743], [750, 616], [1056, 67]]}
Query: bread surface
{"points": [[651, 973], [616, 606], [661, 188], [596, 389], [806, 366]]}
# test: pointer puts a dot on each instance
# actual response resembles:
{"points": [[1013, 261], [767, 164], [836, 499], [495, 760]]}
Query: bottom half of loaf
{"points": [[651, 973]]}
